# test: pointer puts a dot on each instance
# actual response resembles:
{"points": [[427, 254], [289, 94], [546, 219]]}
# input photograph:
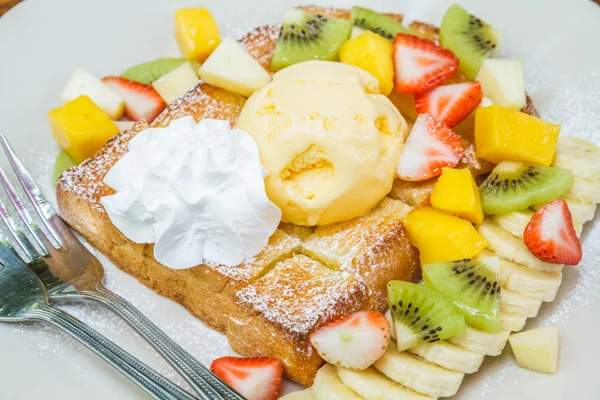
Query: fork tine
{"points": [[40, 203], [16, 234]]}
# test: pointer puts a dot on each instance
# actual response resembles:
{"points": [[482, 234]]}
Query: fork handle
{"points": [[206, 384], [149, 380]]}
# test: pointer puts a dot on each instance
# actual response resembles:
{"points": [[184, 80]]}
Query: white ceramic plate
{"points": [[41, 43]]}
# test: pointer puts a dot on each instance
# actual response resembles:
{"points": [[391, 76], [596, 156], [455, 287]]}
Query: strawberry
{"points": [[355, 341], [450, 103], [256, 378], [420, 64], [550, 235], [141, 101], [430, 147]]}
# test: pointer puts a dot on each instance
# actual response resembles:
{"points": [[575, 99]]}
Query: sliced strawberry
{"points": [[420, 64], [450, 103], [355, 341], [141, 101], [550, 235], [256, 378], [430, 147]]}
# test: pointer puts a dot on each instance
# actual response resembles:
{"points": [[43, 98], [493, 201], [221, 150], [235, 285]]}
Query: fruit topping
{"points": [[196, 32], [370, 20], [430, 147], [372, 53], [81, 128], [502, 134], [514, 186], [502, 82], [328, 386], [421, 315], [578, 155], [176, 83], [371, 384], [355, 341], [450, 104], [306, 394], [148, 72], [472, 286], [256, 378], [457, 193], [471, 39], [550, 235], [442, 237], [420, 64], [537, 349], [63, 161], [230, 67], [305, 36], [84, 83], [141, 101]]}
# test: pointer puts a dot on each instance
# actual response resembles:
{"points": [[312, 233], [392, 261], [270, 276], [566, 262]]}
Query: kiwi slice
{"points": [[514, 186], [148, 72], [472, 285], [421, 314], [382, 25], [63, 161], [305, 36], [469, 38]]}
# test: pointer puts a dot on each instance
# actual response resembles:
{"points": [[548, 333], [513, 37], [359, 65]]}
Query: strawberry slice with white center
{"points": [[450, 103], [355, 341], [420, 64], [550, 235], [256, 378], [430, 147], [141, 101]]}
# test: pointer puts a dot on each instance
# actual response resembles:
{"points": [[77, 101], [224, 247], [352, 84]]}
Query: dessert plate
{"points": [[42, 42]]}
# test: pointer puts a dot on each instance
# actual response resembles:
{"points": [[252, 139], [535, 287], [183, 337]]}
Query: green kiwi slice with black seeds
{"points": [[370, 20], [472, 286], [150, 71], [421, 314], [514, 186]]}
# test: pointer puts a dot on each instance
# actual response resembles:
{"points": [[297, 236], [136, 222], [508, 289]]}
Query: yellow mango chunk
{"points": [[502, 134], [81, 128], [373, 53], [457, 193], [442, 237], [196, 32]]}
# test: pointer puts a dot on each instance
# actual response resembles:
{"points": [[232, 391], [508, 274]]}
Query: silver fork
{"points": [[74, 274]]}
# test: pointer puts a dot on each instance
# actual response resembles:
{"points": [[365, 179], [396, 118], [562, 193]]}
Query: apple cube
{"points": [[502, 82], [84, 83], [176, 83], [230, 67], [537, 349]]}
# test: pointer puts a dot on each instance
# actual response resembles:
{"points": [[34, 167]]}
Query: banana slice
{"points": [[519, 304], [512, 322], [372, 385], [306, 394], [578, 155], [478, 341], [512, 248], [449, 356], [328, 386], [418, 375], [581, 212], [584, 190], [514, 222]]}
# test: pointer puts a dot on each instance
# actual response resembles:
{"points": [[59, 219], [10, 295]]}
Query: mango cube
{"points": [[502, 134], [537, 349], [457, 193], [81, 128], [373, 53], [196, 32], [442, 237]]}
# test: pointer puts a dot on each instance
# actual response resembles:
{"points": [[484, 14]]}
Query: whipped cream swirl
{"points": [[195, 190]]}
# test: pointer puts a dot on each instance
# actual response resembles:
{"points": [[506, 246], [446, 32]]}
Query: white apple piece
{"points": [[502, 82], [537, 349], [230, 67], [356, 31], [485, 102], [176, 83], [84, 83]]}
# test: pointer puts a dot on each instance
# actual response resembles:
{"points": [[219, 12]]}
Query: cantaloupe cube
{"points": [[457, 193], [502, 134], [196, 32], [537, 349]]}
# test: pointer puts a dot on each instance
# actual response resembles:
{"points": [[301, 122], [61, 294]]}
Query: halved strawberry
{"points": [[256, 378], [420, 64], [550, 235], [355, 341], [450, 103], [430, 147], [141, 101]]}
